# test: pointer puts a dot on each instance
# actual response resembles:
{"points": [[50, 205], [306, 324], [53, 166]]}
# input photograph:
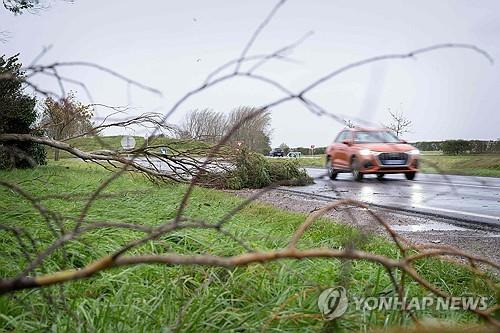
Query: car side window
{"points": [[341, 137], [347, 136]]}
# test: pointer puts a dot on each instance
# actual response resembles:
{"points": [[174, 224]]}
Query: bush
{"points": [[17, 115], [253, 170], [22, 155], [288, 170]]}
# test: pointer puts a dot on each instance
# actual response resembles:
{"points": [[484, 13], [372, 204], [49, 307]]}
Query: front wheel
{"points": [[332, 174], [356, 173], [410, 175], [380, 176]]}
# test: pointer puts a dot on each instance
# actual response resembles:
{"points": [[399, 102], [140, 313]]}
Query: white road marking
{"points": [[493, 187], [458, 212]]}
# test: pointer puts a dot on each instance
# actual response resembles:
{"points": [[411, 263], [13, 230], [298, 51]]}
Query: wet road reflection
{"points": [[463, 197]]}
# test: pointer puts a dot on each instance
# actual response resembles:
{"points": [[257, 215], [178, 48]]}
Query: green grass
{"points": [[471, 165], [310, 161], [150, 297], [114, 143]]}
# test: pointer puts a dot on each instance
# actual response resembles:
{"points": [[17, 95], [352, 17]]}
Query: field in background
{"points": [[434, 162], [151, 297]]}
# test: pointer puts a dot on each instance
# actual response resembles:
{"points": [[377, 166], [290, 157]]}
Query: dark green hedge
{"points": [[457, 147]]}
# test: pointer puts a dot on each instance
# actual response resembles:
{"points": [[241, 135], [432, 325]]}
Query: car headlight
{"points": [[414, 152], [365, 152]]}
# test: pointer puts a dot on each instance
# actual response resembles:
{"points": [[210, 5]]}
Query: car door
{"points": [[339, 153], [344, 149]]}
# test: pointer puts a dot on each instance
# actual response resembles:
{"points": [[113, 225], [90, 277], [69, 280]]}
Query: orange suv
{"points": [[371, 151]]}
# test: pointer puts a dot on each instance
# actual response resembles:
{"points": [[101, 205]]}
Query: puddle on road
{"points": [[432, 226]]}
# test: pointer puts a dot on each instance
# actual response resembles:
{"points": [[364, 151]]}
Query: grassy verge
{"points": [[281, 295], [471, 165]]}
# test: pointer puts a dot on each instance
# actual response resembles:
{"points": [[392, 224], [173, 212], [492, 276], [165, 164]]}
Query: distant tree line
{"points": [[448, 147], [211, 126], [458, 147]]}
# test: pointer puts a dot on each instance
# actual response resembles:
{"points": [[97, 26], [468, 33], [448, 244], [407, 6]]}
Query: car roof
{"points": [[366, 129]]}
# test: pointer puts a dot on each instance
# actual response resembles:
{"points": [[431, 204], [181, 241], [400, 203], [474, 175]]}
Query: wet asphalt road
{"points": [[474, 200]]}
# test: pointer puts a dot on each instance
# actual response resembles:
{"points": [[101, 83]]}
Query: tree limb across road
{"points": [[180, 167]]}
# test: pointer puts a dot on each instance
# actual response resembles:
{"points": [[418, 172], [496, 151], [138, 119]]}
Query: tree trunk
{"points": [[56, 151]]}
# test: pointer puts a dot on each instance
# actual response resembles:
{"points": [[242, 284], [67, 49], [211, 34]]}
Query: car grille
{"points": [[393, 158]]}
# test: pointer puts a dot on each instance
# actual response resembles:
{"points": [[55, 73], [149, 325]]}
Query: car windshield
{"points": [[375, 137]]}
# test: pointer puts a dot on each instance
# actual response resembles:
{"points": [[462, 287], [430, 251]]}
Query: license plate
{"points": [[394, 162]]}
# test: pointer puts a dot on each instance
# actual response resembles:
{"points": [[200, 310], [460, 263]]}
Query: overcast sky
{"points": [[173, 45]]}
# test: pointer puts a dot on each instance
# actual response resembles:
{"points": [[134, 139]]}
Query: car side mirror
{"points": [[346, 142]]}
